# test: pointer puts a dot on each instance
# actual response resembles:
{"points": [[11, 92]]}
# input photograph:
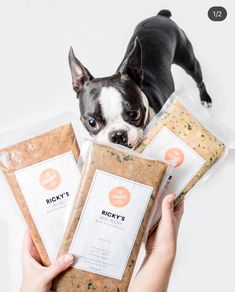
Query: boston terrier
{"points": [[117, 108]]}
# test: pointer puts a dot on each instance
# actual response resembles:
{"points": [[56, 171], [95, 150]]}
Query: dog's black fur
{"points": [[163, 43], [156, 44]]}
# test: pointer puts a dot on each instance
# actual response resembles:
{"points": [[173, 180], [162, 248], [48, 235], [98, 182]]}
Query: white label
{"points": [[166, 146], [49, 188], [109, 224]]}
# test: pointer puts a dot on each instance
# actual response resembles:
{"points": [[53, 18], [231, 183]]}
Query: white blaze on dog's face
{"points": [[119, 128], [113, 109]]}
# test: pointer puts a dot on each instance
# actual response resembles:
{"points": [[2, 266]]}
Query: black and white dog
{"points": [[117, 108]]}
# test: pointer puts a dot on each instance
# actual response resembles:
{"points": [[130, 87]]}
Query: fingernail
{"points": [[171, 200], [68, 259]]}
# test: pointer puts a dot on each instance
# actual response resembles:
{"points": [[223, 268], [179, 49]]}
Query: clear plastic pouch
{"points": [[118, 194], [187, 131], [39, 163]]}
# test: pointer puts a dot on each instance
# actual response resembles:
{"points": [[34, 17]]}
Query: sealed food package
{"points": [[186, 132], [117, 192], [43, 175]]}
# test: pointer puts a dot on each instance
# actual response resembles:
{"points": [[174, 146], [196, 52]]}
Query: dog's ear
{"points": [[132, 65], [80, 74]]}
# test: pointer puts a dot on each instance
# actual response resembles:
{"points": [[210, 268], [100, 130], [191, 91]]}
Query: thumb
{"points": [[168, 207], [60, 265]]}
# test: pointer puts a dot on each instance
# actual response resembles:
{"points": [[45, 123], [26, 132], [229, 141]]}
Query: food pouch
{"points": [[186, 132], [43, 175], [118, 190]]}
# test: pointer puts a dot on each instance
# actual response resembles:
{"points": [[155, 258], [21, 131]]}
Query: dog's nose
{"points": [[118, 137]]}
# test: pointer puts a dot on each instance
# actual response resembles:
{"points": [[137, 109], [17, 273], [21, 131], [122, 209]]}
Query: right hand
{"points": [[163, 240]]}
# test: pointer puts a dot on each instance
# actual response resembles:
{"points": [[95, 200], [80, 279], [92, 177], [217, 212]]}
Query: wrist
{"points": [[161, 255], [32, 286]]}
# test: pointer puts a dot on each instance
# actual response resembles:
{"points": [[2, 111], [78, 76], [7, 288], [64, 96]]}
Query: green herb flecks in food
{"points": [[90, 285], [116, 156], [132, 263], [189, 127], [128, 157]]}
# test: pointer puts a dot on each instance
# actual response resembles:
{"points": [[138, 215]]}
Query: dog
{"points": [[117, 108]]}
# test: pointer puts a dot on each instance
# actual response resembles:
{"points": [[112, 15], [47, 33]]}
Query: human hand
{"points": [[35, 276], [163, 240], [155, 271]]}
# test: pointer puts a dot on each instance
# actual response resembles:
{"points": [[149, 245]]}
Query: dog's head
{"points": [[113, 109]]}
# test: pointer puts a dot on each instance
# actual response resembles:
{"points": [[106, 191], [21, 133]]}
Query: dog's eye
{"points": [[92, 123], [134, 115]]}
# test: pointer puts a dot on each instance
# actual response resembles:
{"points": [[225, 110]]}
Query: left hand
{"points": [[35, 276]]}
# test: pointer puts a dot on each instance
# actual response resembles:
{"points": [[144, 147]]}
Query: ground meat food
{"points": [[135, 168], [27, 153], [184, 125]]}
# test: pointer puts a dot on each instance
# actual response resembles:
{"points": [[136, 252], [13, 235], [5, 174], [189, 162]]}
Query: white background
{"points": [[36, 83]]}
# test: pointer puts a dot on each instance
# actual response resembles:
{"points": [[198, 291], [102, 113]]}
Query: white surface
{"points": [[36, 83]]}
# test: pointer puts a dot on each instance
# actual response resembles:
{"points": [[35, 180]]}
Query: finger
{"points": [[29, 248], [27, 243], [167, 207], [35, 254], [167, 219], [60, 265], [179, 210]]}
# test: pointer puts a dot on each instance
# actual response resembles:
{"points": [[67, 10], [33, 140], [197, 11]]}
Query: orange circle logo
{"points": [[175, 153], [119, 197], [50, 179]]}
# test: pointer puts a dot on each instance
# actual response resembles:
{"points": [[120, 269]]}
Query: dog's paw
{"points": [[207, 104], [206, 99]]}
